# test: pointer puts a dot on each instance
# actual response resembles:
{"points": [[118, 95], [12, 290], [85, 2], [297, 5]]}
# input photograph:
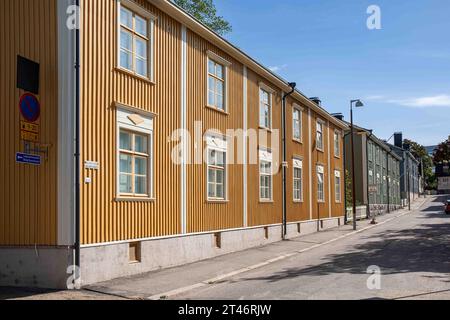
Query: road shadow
{"points": [[7, 293], [424, 248]]}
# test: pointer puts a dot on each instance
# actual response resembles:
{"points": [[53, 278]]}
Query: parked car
{"points": [[447, 207]]}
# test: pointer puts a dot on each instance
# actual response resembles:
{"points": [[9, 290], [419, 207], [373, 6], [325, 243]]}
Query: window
{"points": [[265, 175], [320, 184], [216, 85], [337, 186], [337, 144], [297, 124], [134, 160], [298, 175], [216, 174], [265, 109], [134, 42], [319, 138]]}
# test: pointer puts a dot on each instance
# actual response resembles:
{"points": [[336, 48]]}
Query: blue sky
{"points": [[402, 72]]}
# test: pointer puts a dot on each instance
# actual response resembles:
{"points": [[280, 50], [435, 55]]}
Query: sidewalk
{"points": [[169, 283]]}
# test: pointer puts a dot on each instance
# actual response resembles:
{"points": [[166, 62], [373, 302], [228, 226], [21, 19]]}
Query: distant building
{"points": [[443, 176], [377, 172], [410, 179]]}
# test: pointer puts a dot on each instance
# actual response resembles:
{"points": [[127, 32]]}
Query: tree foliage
{"points": [[442, 152], [421, 154], [205, 11]]}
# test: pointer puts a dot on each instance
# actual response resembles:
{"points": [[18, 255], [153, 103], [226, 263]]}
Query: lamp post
{"points": [[358, 104]]}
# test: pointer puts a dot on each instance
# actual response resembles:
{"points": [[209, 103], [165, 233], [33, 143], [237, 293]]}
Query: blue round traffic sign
{"points": [[29, 107]]}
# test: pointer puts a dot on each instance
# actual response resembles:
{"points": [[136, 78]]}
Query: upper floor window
{"points": [[337, 144], [297, 124], [135, 42], [319, 138], [265, 109], [216, 85]]}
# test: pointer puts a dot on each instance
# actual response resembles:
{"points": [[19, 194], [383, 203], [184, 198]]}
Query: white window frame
{"points": [[218, 143], [298, 109], [270, 92], [337, 186], [136, 9], [266, 157], [320, 191], [297, 164], [211, 56], [124, 123], [320, 125], [337, 144]]}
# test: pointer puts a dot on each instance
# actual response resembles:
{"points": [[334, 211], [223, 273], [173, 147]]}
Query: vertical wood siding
{"points": [[103, 219], [201, 214], [28, 193]]}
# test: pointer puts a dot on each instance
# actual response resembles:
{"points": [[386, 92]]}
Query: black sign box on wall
{"points": [[27, 75]]}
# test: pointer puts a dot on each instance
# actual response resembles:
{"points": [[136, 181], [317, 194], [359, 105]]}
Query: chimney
{"points": [[316, 100], [339, 116], [398, 139]]}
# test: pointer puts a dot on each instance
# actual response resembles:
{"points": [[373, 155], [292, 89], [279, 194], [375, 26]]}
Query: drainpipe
{"points": [[283, 111], [388, 184], [367, 173], [77, 143]]}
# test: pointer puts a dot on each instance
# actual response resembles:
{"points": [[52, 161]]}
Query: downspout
{"points": [[77, 142], [345, 179], [388, 182], [284, 165], [367, 174]]}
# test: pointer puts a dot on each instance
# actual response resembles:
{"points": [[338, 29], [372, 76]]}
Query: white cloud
{"points": [[278, 68], [424, 102], [374, 97]]}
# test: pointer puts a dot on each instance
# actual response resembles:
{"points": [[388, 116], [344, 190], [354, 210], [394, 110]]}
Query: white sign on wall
{"points": [[444, 183]]}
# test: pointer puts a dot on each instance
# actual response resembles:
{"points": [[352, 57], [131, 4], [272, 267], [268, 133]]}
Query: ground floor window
{"points": [[216, 174], [320, 184], [265, 176], [337, 186], [298, 183]]}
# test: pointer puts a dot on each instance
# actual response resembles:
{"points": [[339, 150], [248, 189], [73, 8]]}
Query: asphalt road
{"points": [[411, 252]]}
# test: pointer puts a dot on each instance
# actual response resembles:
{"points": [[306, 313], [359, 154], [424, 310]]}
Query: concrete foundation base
{"points": [[109, 261], [35, 267]]}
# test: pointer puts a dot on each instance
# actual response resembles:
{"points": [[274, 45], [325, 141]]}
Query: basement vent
{"points": [[321, 224], [299, 228], [218, 240], [266, 233], [135, 252]]}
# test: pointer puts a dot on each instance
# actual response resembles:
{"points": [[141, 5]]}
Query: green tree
{"points": [[442, 152], [205, 11], [421, 154]]}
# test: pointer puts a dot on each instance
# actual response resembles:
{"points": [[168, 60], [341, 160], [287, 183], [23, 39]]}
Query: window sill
{"points": [[337, 157], [297, 141], [217, 110], [134, 75], [298, 201], [320, 150], [218, 201], [131, 199], [266, 201]]}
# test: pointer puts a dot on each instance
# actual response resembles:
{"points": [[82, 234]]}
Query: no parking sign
{"points": [[29, 107]]}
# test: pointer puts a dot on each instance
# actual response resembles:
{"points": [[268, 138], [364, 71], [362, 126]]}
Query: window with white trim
{"points": [[265, 175], [265, 109], [134, 42], [320, 184], [216, 84], [337, 144], [134, 164], [216, 174], [297, 124], [319, 135], [298, 183], [134, 155], [337, 186]]}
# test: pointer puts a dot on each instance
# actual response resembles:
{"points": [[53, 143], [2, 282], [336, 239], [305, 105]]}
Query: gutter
{"points": [[180, 15]]}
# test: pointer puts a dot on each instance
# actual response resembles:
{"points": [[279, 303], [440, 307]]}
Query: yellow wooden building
{"points": [[120, 90]]}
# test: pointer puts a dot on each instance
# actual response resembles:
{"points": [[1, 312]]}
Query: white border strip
{"points": [[245, 119], [184, 127]]}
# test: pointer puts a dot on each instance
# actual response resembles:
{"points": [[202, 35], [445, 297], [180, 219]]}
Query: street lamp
{"points": [[358, 104]]}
